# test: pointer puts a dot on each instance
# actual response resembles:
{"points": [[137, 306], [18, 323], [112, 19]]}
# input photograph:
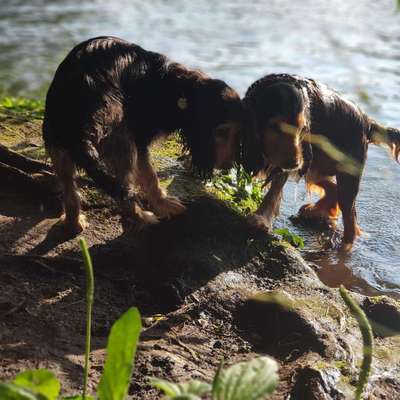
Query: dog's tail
{"points": [[381, 135], [87, 158]]}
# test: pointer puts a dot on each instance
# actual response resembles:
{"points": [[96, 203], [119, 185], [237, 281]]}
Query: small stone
{"points": [[217, 344]]}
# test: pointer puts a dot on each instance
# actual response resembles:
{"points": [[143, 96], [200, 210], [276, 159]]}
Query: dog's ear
{"points": [[252, 156], [203, 114]]}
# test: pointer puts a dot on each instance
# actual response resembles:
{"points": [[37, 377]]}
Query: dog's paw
{"points": [[311, 211], [168, 206], [138, 222], [74, 227], [346, 247], [258, 222]]}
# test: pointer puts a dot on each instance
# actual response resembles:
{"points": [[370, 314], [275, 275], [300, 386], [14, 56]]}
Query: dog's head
{"points": [[281, 141], [277, 126], [212, 134]]}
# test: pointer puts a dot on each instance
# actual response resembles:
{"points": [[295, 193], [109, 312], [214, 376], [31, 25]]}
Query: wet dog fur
{"points": [[297, 125], [109, 100]]}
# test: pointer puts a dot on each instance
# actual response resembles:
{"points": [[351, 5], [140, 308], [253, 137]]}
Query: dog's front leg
{"points": [[269, 208], [162, 204]]}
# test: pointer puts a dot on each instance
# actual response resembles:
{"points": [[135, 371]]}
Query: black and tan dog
{"points": [[301, 126], [109, 100]]}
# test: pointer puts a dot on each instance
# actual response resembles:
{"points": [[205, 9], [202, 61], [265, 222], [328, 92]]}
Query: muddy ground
{"points": [[193, 278]]}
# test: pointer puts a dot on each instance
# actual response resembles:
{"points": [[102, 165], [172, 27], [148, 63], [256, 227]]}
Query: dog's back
{"points": [[90, 88]]}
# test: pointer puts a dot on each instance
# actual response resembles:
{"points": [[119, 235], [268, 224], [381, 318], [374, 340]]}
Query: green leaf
{"points": [[121, 349], [10, 391], [39, 381], [192, 390], [251, 380], [292, 238], [78, 397]]}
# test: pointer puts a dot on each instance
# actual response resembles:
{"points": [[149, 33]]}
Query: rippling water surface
{"points": [[354, 46]]}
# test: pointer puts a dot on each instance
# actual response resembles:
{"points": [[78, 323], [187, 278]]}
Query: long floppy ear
{"points": [[307, 155], [252, 157], [204, 103]]}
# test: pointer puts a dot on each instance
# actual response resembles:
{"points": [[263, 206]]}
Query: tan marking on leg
{"points": [[269, 208], [72, 221], [162, 204], [121, 157], [327, 206]]}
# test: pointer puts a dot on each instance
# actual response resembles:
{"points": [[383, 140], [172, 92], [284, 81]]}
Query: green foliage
{"points": [[249, 380], [26, 107], [39, 381], [292, 238], [366, 332], [192, 390], [9, 391], [121, 349], [239, 189], [89, 305]]}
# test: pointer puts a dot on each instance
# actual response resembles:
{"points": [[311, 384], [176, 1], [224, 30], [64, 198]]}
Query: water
{"points": [[354, 46]]}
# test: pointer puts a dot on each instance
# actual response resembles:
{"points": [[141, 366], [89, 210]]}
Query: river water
{"points": [[353, 46]]}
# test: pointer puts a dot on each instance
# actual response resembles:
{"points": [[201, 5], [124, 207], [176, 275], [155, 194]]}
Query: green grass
{"points": [[26, 107]]}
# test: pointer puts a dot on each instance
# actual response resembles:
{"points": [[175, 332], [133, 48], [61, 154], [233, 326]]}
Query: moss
{"points": [[323, 309], [19, 132], [38, 153], [169, 147]]}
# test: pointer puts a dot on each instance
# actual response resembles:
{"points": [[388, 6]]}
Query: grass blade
{"points": [[366, 332], [89, 305]]}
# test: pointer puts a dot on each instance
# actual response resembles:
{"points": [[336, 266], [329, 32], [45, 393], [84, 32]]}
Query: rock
{"points": [[277, 327], [384, 315], [315, 384]]}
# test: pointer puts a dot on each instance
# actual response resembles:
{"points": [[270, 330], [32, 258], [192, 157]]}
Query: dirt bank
{"points": [[194, 279]]}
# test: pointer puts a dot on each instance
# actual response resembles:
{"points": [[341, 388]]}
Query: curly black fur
{"points": [[107, 86]]}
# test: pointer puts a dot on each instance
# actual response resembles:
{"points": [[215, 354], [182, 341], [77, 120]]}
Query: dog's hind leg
{"points": [[269, 208], [72, 221], [327, 206], [162, 204], [121, 157]]}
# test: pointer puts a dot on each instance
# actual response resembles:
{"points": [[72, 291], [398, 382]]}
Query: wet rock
{"points": [[273, 325], [315, 384], [384, 315]]}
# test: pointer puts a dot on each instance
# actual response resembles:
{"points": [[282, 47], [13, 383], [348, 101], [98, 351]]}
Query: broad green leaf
{"points": [[121, 349], [78, 397], [191, 390], [10, 391], [251, 380], [39, 381]]}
